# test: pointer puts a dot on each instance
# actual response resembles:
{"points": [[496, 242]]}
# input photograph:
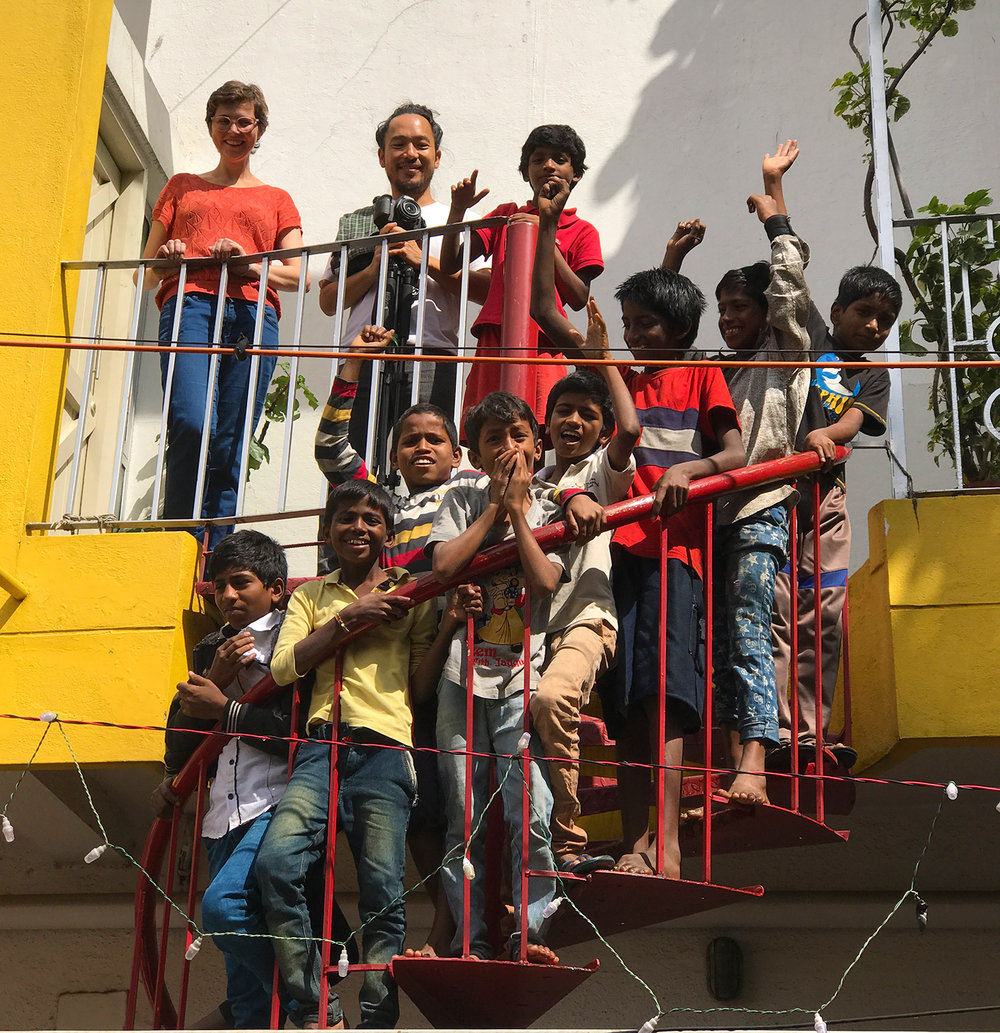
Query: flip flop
{"points": [[584, 864]]}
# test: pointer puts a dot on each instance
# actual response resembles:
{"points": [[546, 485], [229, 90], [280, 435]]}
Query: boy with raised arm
{"points": [[551, 152], [505, 446], [763, 311], [377, 780], [581, 414]]}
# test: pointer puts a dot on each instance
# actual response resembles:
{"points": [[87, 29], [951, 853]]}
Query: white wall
{"points": [[676, 101]]}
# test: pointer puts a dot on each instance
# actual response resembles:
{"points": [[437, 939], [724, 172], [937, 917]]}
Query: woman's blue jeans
{"points": [[186, 412]]}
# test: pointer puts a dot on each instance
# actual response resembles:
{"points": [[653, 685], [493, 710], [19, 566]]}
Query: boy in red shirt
{"points": [[551, 152], [689, 430]]}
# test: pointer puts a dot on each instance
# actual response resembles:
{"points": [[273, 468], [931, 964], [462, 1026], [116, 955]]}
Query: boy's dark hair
{"points": [[672, 296], [498, 405], [752, 280], [249, 550], [861, 281], [425, 409], [409, 108], [359, 491], [584, 382], [559, 137], [236, 92]]}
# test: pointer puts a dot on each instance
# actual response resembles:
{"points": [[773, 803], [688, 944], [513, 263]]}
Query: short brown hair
{"points": [[236, 92]]}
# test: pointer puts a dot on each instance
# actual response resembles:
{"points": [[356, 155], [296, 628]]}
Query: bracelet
{"points": [[342, 623]]}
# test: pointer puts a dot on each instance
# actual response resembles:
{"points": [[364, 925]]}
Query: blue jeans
{"points": [[232, 905], [377, 789], [186, 412], [497, 726], [749, 554]]}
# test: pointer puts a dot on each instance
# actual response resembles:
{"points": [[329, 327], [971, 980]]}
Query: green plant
{"points": [[275, 408], [921, 265]]}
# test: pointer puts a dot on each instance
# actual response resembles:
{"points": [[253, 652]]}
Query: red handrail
{"points": [[552, 536]]}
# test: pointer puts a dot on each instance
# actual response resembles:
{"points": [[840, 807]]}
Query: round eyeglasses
{"points": [[242, 125]]}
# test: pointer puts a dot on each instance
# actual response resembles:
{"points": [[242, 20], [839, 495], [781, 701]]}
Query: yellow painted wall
{"points": [[925, 624], [108, 620]]}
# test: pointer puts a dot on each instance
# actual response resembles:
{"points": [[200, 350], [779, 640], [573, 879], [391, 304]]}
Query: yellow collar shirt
{"points": [[377, 666]]}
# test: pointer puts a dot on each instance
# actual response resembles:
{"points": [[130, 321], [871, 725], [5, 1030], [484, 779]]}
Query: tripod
{"points": [[401, 291]]}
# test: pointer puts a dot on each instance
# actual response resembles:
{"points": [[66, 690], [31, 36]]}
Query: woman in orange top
{"points": [[222, 214]]}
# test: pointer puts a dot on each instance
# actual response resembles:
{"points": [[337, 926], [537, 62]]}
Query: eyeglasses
{"points": [[242, 125]]}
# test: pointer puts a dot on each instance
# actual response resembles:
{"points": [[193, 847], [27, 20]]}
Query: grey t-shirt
{"points": [[498, 650]]}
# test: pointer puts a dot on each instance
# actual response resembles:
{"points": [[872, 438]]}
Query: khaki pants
{"points": [[835, 549], [575, 658]]}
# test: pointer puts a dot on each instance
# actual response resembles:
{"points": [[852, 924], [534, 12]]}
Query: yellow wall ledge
{"points": [[104, 634], [925, 624]]}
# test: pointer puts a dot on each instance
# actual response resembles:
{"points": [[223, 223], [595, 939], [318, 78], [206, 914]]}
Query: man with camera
{"points": [[409, 142]]}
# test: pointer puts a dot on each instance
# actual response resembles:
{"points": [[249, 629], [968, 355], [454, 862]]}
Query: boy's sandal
{"points": [[584, 864]]}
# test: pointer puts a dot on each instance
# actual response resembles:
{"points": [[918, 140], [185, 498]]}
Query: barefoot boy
{"points": [[581, 413], [377, 784], [763, 310], [505, 445], [689, 430]]}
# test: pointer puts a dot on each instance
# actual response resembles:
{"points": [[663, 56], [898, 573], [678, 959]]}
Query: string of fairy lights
{"points": [[949, 792]]}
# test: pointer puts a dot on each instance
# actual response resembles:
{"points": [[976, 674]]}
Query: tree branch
{"points": [[949, 8]]}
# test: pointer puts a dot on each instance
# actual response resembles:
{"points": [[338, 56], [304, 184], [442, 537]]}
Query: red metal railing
{"points": [[149, 958]]}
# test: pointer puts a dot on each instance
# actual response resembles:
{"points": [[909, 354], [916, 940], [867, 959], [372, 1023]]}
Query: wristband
{"points": [[342, 623]]}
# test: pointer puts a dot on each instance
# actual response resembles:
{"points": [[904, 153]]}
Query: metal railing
{"points": [[130, 341], [954, 261], [806, 781]]}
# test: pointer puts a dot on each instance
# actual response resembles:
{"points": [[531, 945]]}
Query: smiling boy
{"points": [[377, 784], [581, 414], [846, 397], [551, 152], [506, 445]]}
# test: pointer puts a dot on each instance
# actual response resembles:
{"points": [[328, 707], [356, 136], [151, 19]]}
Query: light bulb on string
{"points": [[191, 952], [49, 716], [552, 907], [523, 743], [951, 791], [343, 963], [468, 870], [8, 829], [818, 1024], [94, 854], [648, 1026]]}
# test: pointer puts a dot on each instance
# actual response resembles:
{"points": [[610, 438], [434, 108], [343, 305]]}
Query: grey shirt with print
{"points": [[498, 650]]}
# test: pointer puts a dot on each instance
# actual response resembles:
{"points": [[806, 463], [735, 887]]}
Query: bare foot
{"points": [[749, 787], [539, 954], [427, 951]]}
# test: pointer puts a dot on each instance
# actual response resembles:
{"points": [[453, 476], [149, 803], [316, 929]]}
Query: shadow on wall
{"points": [[736, 77]]}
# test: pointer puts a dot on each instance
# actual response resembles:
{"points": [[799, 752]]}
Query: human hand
{"points": [[372, 340], [463, 602], [464, 195], [503, 468], [552, 197], [784, 157], [163, 800], [764, 205], [585, 517], [688, 235], [172, 248], [523, 217], [375, 608], [201, 697], [597, 345], [232, 655], [671, 492], [517, 487], [820, 442], [224, 248]]}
